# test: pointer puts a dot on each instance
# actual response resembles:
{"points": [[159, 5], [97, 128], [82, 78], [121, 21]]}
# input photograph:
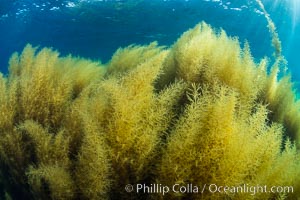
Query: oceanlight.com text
{"points": [[210, 188]]}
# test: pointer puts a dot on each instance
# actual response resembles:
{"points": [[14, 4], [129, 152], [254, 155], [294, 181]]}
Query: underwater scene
{"points": [[149, 99]]}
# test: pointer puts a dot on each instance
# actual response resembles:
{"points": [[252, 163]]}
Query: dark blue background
{"points": [[95, 29]]}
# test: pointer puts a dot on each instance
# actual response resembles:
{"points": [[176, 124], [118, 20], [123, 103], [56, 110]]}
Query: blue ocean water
{"points": [[96, 28]]}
